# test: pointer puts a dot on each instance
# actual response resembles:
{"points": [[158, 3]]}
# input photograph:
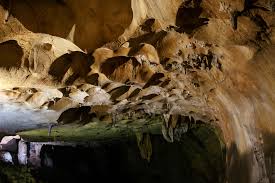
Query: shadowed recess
{"points": [[11, 54], [79, 62], [188, 17], [197, 157], [111, 64]]}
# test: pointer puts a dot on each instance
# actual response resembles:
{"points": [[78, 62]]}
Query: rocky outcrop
{"points": [[194, 61]]}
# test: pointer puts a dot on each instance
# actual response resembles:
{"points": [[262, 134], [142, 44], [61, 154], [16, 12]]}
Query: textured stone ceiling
{"points": [[195, 61]]}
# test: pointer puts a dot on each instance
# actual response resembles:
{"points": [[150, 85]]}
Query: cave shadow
{"points": [[11, 54], [152, 38], [79, 62], [196, 158], [188, 16], [239, 166]]}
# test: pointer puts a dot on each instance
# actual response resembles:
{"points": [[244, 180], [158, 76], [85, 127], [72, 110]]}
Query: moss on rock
{"points": [[97, 131], [16, 174]]}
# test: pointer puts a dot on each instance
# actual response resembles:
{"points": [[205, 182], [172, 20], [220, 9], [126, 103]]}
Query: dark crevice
{"points": [[154, 80], [188, 16], [150, 38], [147, 25], [249, 5], [11, 54], [79, 62]]}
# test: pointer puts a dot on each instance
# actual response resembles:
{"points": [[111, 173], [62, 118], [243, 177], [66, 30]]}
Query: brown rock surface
{"points": [[211, 61]]}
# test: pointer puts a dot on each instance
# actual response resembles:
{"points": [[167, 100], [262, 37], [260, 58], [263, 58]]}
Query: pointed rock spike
{"points": [[166, 119], [165, 134], [171, 133], [71, 34]]}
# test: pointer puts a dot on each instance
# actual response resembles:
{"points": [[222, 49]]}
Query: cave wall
{"points": [[97, 22], [224, 63]]}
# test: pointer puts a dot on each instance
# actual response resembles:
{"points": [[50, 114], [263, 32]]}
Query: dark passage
{"points": [[197, 158]]}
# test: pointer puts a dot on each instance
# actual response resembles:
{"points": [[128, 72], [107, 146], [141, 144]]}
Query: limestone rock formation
{"points": [[188, 61]]}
